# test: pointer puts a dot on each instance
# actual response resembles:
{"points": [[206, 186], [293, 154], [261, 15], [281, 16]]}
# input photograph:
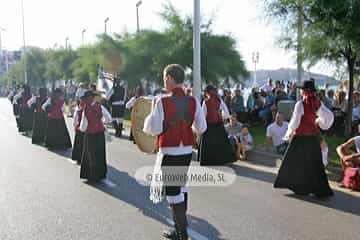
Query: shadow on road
{"points": [[342, 201], [63, 153], [131, 192]]}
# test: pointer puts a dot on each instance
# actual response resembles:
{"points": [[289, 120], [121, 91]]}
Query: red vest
{"points": [[213, 110], [94, 115], [181, 131], [308, 127], [38, 103], [24, 101], [56, 110]]}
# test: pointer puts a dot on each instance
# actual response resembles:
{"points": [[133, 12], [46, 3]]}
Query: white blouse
{"points": [[325, 118]]}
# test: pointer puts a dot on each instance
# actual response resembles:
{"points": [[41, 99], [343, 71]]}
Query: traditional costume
{"points": [[117, 97], [93, 160], [57, 135], [79, 136], [215, 147], [173, 119], [40, 118], [25, 113], [302, 170]]}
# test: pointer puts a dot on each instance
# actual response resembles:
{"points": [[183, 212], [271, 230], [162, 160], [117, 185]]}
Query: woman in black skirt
{"points": [[25, 112], [79, 135], [93, 160], [302, 170], [215, 147], [57, 135], [40, 118]]}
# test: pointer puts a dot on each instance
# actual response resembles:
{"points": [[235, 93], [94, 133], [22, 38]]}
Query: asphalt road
{"points": [[42, 197]]}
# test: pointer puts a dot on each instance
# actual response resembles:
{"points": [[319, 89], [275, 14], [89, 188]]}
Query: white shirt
{"points": [[276, 132], [80, 92], [31, 101], [84, 122], [130, 103], [224, 109], [267, 87], [153, 125], [48, 102], [324, 120]]}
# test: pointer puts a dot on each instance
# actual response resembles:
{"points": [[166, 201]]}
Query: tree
{"points": [[86, 65], [329, 33]]}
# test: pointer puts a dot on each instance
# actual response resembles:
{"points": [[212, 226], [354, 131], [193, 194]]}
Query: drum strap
{"points": [[182, 112]]}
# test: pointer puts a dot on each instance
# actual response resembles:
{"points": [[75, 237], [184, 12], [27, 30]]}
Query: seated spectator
{"points": [[266, 113], [349, 158], [246, 141], [268, 87], [233, 130], [330, 96], [238, 106], [275, 133]]}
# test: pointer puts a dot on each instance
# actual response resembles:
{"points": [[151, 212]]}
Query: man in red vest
{"points": [[174, 119]]}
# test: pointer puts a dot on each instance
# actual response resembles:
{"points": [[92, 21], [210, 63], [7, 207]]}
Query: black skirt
{"points": [[215, 147], [302, 170], [39, 127], [117, 111], [16, 109], [93, 161], [57, 135], [78, 147], [25, 119]]}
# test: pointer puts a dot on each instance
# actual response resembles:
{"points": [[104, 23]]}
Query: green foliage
{"points": [[140, 56]]}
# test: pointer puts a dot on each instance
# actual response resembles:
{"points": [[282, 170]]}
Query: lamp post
{"points": [[105, 21], [255, 60], [24, 46], [197, 50], [1, 29], [137, 15], [82, 36], [66, 42]]}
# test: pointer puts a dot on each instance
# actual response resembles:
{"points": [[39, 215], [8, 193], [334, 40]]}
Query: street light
{"points": [[24, 46], [1, 51], [106, 20], [66, 42], [137, 15], [82, 36], [197, 50], [255, 60]]}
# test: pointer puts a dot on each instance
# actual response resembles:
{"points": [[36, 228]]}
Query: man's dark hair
{"points": [[176, 71]]}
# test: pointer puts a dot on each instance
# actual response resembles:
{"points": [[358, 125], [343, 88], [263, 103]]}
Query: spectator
{"points": [[268, 87], [325, 99], [80, 92], [330, 96], [275, 133], [341, 102], [347, 157], [246, 141], [266, 113], [233, 130], [250, 103], [227, 98], [238, 106]]}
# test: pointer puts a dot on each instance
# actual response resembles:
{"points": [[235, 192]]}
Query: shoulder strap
{"points": [[182, 112]]}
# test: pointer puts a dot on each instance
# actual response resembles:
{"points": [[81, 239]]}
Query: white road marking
{"points": [[109, 183]]}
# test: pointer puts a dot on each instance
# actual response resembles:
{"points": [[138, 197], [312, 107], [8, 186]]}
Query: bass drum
{"points": [[140, 110]]}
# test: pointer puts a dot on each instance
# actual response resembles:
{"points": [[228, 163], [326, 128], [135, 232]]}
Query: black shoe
{"points": [[116, 127], [179, 213], [169, 233]]}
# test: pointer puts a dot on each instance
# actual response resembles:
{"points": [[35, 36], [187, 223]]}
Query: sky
{"points": [[49, 22]]}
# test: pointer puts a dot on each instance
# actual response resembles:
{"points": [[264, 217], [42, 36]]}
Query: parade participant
{"points": [[40, 118], [79, 135], [173, 119], [14, 98], [25, 112], [215, 147], [57, 135], [138, 93], [93, 159], [117, 97], [302, 170]]}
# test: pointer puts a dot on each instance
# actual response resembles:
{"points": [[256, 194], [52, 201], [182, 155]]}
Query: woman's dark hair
{"points": [[176, 71]]}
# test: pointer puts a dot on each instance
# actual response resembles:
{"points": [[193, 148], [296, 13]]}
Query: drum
{"points": [[140, 110]]}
